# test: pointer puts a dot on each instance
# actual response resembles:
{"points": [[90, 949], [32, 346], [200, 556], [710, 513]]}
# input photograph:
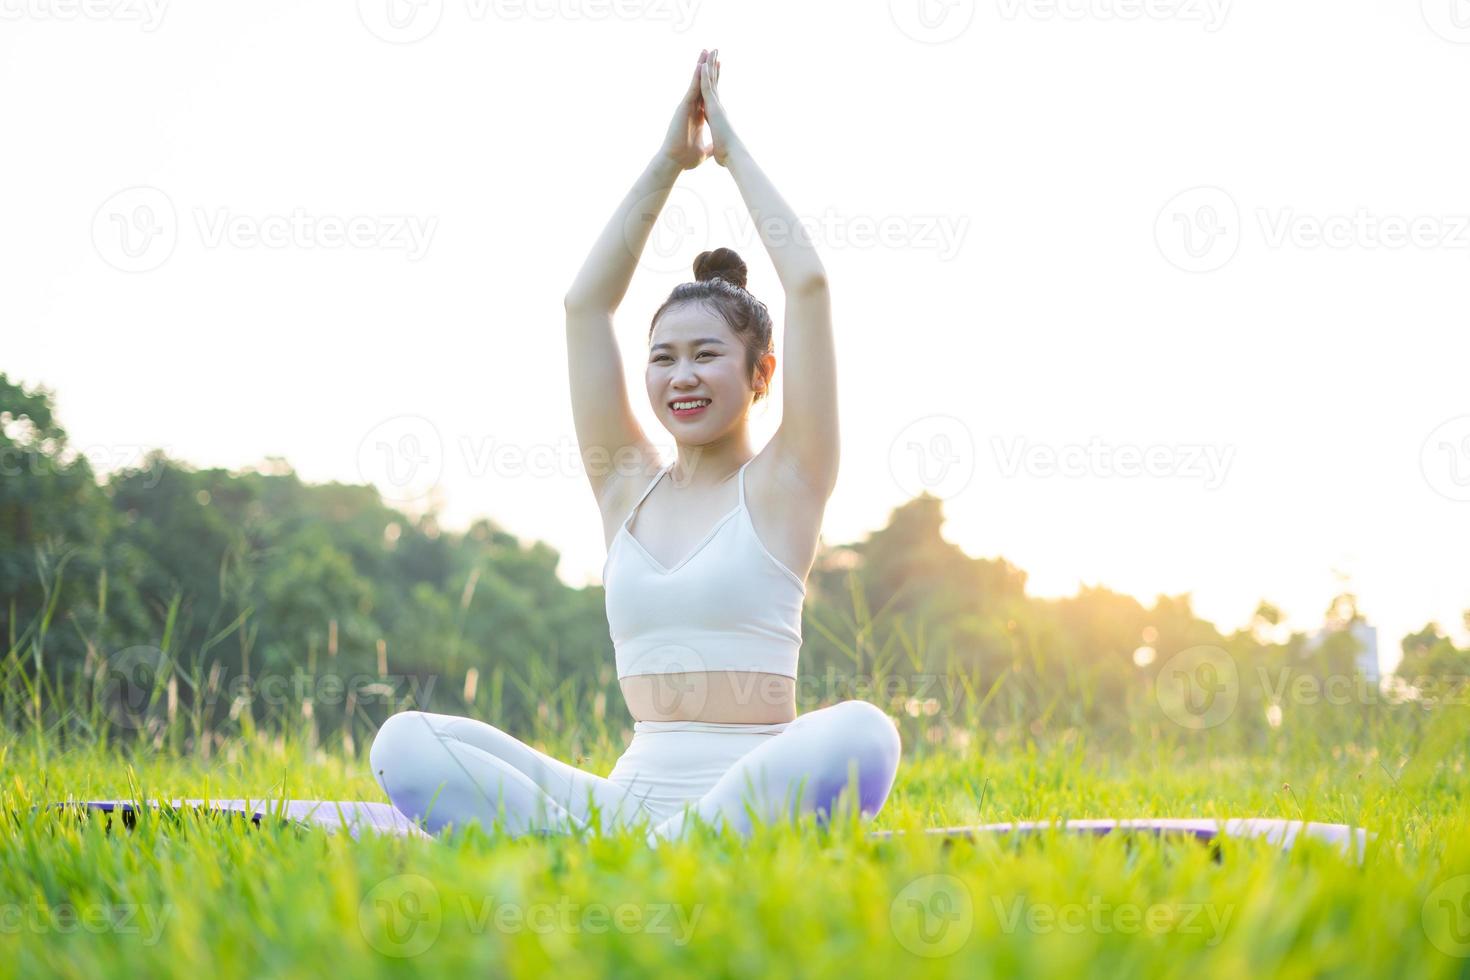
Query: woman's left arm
{"points": [[807, 438]]}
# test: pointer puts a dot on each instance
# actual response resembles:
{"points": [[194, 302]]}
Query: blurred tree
{"points": [[53, 517], [1433, 663], [328, 577]]}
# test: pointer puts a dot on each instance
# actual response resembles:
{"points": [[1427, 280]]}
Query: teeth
{"points": [[693, 404]]}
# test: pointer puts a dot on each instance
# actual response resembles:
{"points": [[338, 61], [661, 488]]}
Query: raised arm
{"points": [[601, 411], [806, 442]]}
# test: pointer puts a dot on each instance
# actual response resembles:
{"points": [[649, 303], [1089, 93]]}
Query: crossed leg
{"points": [[803, 770], [451, 770]]}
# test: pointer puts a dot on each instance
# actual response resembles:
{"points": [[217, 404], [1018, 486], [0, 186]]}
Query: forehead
{"points": [[688, 323]]}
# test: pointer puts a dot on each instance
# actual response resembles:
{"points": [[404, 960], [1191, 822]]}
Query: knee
{"points": [[865, 736], [400, 750], [868, 730]]}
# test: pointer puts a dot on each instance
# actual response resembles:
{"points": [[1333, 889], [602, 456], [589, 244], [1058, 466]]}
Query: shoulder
{"points": [[791, 469], [627, 477], [785, 510], [776, 477]]}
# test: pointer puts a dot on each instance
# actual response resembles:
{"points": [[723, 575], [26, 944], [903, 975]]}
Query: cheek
{"points": [[732, 377]]}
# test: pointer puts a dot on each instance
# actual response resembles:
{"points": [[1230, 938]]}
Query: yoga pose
{"points": [[703, 600]]}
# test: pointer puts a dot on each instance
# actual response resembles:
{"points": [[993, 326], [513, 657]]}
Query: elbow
{"points": [[578, 304], [580, 295], [810, 285], [574, 304]]}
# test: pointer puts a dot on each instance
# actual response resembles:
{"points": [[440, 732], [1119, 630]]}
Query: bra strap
{"points": [[646, 491], [741, 481]]}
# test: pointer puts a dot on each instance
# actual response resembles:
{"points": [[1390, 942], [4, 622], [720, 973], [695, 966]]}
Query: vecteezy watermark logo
{"points": [[1198, 687], [407, 21], [932, 916], [146, 13], [680, 229], [128, 683], [400, 21], [136, 229], [410, 234], [1210, 13], [403, 457], [1102, 918], [1445, 458], [684, 227], [299, 689], [401, 916], [934, 454], [932, 21], [101, 458], [1202, 462], [1362, 229], [1450, 19], [1199, 229], [1446, 917], [943, 234], [96, 918], [674, 691], [672, 919]]}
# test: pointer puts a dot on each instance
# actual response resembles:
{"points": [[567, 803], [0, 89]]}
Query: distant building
{"points": [[1367, 658]]}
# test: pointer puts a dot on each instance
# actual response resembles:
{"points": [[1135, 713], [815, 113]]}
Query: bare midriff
{"points": [[732, 696]]}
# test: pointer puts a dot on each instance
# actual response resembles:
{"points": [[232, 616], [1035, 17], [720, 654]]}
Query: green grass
{"points": [[205, 898]]}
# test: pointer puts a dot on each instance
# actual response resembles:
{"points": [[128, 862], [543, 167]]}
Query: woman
{"points": [[703, 604]]}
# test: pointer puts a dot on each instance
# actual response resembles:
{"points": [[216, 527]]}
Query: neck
{"points": [[712, 463]]}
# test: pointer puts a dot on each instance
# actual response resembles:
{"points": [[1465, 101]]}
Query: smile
{"points": [[686, 408]]}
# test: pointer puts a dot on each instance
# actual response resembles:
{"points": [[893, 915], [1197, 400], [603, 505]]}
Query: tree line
{"points": [[255, 575]]}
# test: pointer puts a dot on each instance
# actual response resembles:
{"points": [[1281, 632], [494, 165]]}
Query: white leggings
{"points": [[450, 770]]}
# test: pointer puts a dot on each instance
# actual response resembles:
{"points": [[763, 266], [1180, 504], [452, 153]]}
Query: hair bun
{"points": [[720, 263]]}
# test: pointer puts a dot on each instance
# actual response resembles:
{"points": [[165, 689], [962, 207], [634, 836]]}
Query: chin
{"points": [[700, 433]]}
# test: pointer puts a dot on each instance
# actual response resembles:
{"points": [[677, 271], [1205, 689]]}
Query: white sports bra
{"points": [[729, 605]]}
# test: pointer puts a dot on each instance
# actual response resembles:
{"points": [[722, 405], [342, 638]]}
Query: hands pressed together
{"points": [[701, 104]]}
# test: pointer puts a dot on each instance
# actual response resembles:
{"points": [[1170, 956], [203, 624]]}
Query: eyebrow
{"points": [[692, 343]]}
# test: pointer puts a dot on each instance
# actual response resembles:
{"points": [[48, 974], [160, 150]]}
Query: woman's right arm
{"points": [[603, 416], [601, 411], [608, 270]]}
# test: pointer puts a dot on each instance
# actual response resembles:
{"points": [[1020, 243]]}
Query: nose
{"points": [[684, 375]]}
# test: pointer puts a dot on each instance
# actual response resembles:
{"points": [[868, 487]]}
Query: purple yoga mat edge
{"points": [[356, 816], [352, 815]]}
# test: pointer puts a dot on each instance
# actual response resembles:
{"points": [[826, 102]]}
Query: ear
{"points": [[765, 369]]}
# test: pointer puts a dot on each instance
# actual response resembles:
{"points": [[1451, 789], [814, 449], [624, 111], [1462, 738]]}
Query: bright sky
{"points": [[1224, 244]]}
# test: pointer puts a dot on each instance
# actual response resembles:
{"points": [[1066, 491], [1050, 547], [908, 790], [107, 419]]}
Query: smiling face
{"points": [[693, 356]]}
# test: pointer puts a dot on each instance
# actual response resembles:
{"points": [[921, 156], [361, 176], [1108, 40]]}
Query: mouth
{"points": [[695, 407]]}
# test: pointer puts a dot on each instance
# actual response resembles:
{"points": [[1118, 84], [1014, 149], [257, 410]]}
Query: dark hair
{"points": [[719, 284]]}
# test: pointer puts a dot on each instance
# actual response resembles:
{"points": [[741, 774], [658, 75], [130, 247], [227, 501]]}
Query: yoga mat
{"points": [[383, 818], [1282, 833], [334, 815]]}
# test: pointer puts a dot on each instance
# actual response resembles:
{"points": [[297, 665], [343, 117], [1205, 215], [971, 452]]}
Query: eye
{"points": [[704, 352]]}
